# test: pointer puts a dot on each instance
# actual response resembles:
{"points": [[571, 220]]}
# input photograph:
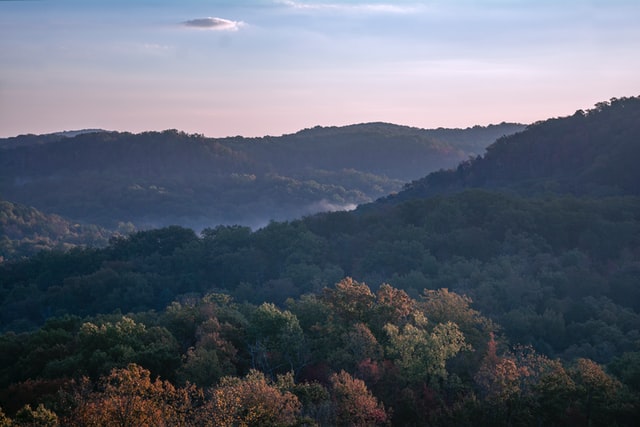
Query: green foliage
{"points": [[539, 273], [411, 365], [421, 355], [350, 300], [442, 305], [65, 348], [276, 341], [25, 231], [39, 417], [627, 368]]}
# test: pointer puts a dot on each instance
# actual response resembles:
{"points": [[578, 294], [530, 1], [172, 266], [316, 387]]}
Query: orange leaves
{"points": [[395, 303], [129, 398], [252, 401], [499, 380], [355, 405]]}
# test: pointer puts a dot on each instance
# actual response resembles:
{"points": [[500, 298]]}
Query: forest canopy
{"points": [[156, 179], [503, 292]]}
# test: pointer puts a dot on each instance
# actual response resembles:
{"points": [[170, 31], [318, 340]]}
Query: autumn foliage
{"points": [[252, 401], [348, 357]]}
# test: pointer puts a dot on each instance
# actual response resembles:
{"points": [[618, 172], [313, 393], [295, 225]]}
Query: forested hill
{"points": [[161, 178], [592, 152], [25, 230], [399, 152], [474, 308]]}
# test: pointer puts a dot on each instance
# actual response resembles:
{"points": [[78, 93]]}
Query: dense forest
{"points": [[25, 231], [590, 153], [346, 356], [504, 292], [156, 179]]}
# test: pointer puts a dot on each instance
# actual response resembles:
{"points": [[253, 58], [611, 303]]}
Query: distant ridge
{"points": [[31, 139], [163, 178], [72, 133], [591, 152], [470, 139]]}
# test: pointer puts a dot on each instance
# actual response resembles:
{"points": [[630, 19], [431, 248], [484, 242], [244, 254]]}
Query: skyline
{"points": [[269, 67]]}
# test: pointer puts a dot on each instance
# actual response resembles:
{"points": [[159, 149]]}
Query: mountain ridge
{"points": [[590, 152], [170, 177]]}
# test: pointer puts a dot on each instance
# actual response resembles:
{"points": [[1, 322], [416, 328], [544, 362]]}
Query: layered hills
{"points": [[161, 178], [502, 291]]}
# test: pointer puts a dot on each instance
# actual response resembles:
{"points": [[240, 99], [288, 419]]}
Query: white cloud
{"points": [[362, 7], [219, 24]]}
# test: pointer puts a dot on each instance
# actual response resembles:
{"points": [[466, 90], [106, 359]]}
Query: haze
{"points": [[262, 67]]}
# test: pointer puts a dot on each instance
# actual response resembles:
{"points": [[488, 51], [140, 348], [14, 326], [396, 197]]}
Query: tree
{"points": [[211, 358], [39, 417], [4, 420], [627, 368], [522, 384], [315, 400], [392, 306], [162, 241], [596, 392], [422, 355], [441, 306], [129, 398], [554, 396], [350, 300], [107, 345], [498, 377], [276, 340], [357, 344], [499, 382], [252, 401], [355, 405]]}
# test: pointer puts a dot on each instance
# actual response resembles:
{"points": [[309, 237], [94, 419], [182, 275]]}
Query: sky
{"points": [[271, 67]]}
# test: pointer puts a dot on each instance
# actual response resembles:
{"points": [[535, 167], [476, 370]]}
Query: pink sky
{"points": [[272, 67]]}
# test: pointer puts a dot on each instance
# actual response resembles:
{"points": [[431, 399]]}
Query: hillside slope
{"points": [[589, 153], [480, 307], [160, 178], [25, 231]]}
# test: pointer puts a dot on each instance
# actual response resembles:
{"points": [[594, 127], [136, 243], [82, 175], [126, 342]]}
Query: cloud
{"points": [[219, 24], [363, 7]]}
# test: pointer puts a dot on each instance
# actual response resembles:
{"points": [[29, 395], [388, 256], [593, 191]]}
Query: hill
{"points": [[476, 300], [160, 178], [510, 253], [25, 231], [589, 153]]}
